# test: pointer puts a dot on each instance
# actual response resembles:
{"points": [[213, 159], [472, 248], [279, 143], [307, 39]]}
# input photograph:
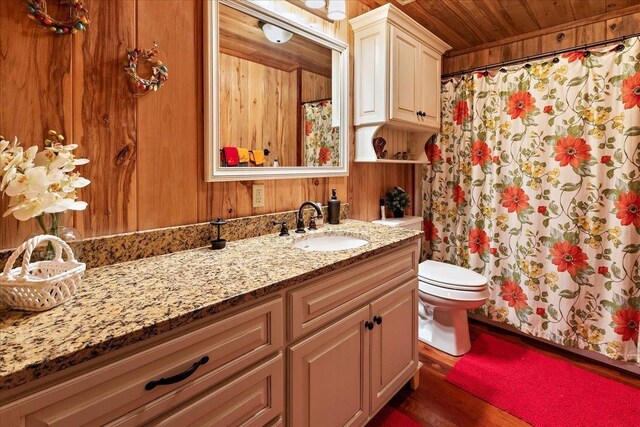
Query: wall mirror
{"points": [[276, 96]]}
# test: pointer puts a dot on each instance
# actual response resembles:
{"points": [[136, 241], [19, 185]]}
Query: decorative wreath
{"points": [[78, 16], [159, 71]]}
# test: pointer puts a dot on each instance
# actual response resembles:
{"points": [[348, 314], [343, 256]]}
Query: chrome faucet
{"points": [[300, 220]]}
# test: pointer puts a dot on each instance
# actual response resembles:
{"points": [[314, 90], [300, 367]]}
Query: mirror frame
{"points": [[213, 171]]}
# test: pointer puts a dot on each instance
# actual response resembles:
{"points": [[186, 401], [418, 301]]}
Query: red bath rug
{"points": [[391, 417], [541, 390]]}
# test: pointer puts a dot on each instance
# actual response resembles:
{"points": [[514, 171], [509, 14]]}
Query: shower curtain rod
{"points": [[541, 55]]}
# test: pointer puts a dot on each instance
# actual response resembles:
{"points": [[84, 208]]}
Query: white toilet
{"points": [[446, 293]]}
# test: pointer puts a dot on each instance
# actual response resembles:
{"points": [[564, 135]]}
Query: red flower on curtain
{"points": [[572, 151], [480, 153], [458, 195], [631, 91], [478, 241], [430, 231], [548, 109], [307, 127], [519, 104], [576, 55], [568, 257], [324, 155], [433, 153], [512, 293], [628, 205], [627, 321], [515, 199], [460, 112]]}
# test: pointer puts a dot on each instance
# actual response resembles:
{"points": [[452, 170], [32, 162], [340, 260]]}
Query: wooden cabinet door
{"points": [[394, 341], [405, 64], [429, 82], [329, 375]]}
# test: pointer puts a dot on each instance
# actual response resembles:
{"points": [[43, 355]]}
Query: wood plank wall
{"points": [[258, 107], [314, 86], [146, 153], [611, 25]]}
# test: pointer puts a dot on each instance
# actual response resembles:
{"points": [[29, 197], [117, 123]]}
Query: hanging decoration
{"points": [[78, 17], [159, 72]]}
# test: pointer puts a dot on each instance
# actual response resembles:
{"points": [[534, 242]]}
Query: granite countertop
{"points": [[122, 304]]}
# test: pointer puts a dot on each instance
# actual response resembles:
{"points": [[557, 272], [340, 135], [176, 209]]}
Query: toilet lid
{"points": [[450, 276]]}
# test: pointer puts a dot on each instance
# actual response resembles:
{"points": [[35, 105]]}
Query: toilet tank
{"points": [[410, 222]]}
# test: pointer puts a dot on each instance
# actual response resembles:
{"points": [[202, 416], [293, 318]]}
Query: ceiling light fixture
{"points": [[314, 4], [275, 34], [337, 10]]}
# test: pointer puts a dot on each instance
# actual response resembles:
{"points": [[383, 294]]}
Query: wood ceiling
{"points": [[241, 36], [468, 24]]}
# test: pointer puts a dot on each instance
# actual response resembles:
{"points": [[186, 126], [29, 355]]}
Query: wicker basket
{"points": [[41, 285]]}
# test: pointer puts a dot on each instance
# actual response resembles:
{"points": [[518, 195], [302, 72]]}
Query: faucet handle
{"points": [[312, 223], [284, 230]]}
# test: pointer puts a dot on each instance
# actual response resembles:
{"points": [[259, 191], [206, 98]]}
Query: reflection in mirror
{"points": [[276, 95]]}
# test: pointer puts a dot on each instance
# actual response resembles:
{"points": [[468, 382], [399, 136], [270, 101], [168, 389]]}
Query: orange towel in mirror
{"points": [[257, 156]]}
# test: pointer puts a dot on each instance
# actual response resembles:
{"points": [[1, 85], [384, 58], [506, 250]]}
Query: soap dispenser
{"points": [[333, 208]]}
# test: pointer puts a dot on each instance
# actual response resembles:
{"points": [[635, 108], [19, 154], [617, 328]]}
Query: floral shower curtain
{"points": [[534, 182], [321, 139]]}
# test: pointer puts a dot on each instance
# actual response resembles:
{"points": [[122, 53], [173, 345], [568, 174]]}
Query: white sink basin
{"points": [[329, 243]]}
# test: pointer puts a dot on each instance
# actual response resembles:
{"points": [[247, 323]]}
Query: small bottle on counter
{"points": [[383, 214], [333, 208]]}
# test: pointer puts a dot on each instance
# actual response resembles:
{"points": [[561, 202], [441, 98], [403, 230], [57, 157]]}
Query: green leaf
{"points": [[569, 186], [633, 131], [569, 294], [577, 80], [631, 249]]}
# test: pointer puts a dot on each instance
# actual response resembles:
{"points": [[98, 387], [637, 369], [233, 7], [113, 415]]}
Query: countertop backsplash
{"points": [[118, 248]]}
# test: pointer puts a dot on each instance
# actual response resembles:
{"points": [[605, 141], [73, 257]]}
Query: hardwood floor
{"points": [[438, 403]]}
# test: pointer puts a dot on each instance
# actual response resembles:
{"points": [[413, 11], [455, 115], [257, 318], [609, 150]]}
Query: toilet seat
{"points": [[452, 286], [454, 294], [449, 276]]}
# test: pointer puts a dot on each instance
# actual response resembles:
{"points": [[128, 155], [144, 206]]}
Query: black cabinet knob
{"points": [[377, 319], [368, 325]]}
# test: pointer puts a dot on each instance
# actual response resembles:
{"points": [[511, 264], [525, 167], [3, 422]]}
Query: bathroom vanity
{"points": [[261, 333]]}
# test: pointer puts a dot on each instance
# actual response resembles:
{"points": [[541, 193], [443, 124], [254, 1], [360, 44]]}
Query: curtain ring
{"points": [[586, 52], [555, 59], [527, 65]]}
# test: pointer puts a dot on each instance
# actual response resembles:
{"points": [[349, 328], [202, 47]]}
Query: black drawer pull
{"points": [[179, 377], [377, 319], [368, 325]]}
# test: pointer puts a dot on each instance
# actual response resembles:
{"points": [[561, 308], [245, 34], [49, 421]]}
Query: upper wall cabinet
{"points": [[397, 84]]}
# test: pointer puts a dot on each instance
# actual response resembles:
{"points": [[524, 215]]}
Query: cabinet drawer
{"points": [[231, 344], [252, 399], [333, 295]]}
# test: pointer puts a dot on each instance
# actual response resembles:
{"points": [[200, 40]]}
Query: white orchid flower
{"points": [[40, 182], [64, 204], [32, 183], [25, 210]]}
